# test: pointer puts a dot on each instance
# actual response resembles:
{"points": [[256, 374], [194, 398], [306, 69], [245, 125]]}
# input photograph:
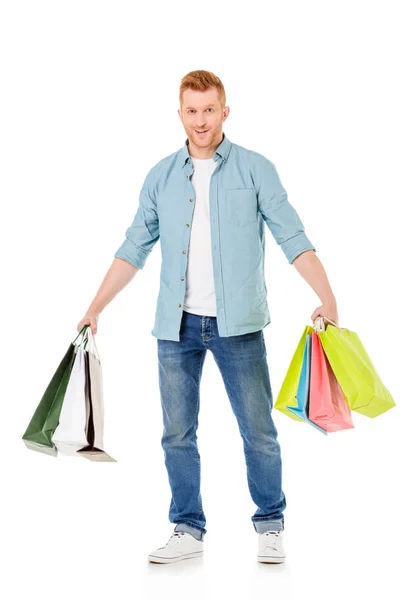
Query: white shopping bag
{"points": [[94, 426], [71, 433], [96, 397]]}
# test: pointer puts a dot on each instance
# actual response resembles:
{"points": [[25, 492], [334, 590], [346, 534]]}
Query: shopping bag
{"points": [[288, 392], [38, 434], [70, 434], [362, 387], [328, 407], [94, 402], [96, 397], [303, 390]]}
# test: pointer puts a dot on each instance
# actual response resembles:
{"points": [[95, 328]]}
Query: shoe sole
{"points": [[271, 559], [160, 559]]}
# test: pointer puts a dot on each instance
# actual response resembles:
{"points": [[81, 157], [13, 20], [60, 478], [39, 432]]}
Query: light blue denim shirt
{"points": [[245, 192]]}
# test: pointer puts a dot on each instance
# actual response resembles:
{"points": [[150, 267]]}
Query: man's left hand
{"points": [[326, 310]]}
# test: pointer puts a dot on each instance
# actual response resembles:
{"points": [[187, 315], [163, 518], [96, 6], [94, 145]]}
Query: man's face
{"points": [[202, 111]]}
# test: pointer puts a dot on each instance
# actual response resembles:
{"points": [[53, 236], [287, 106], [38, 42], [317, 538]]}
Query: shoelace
{"points": [[174, 538], [272, 538]]}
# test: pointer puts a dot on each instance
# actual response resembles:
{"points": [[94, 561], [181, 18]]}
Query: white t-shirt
{"points": [[200, 292]]}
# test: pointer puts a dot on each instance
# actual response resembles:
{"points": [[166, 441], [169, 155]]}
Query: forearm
{"points": [[311, 269], [117, 277]]}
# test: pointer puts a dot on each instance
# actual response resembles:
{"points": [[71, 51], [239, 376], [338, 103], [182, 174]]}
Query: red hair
{"points": [[202, 81]]}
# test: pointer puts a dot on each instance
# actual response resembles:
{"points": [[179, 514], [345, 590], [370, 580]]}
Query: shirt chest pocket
{"points": [[241, 206]]}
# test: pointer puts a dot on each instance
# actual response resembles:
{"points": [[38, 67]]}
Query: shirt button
{"points": [[179, 305], [191, 199], [182, 278], [186, 176], [183, 251], [187, 224]]}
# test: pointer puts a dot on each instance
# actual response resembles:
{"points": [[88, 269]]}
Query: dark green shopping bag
{"points": [[39, 433]]}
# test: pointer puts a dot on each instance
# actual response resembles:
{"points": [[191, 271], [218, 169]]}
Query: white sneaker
{"points": [[180, 545], [270, 548]]}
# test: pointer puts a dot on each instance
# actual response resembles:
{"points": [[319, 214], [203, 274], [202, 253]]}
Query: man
{"points": [[207, 203]]}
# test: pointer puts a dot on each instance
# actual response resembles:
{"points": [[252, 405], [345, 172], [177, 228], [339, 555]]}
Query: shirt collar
{"points": [[222, 150]]}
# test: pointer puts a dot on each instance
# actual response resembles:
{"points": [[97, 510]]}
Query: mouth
{"points": [[201, 132]]}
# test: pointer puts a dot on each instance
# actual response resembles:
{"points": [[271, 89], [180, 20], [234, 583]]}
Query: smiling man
{"points": [[208, 204]]}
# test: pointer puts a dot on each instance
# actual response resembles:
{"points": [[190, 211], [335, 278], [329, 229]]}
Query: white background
{"points": [[88, 105]]}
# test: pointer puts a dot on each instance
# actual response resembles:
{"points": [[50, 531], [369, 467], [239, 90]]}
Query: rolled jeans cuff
{"points": [[272, 525], [194, 531]]}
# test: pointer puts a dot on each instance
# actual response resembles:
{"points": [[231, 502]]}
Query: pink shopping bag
{"points": [[328, 407]]}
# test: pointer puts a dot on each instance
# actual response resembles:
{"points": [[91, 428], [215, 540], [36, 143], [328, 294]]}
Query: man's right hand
{"points": [[91, 320]]}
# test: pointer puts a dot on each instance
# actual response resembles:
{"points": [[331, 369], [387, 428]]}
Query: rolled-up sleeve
{"points": [[141, 236], [277, 212]]}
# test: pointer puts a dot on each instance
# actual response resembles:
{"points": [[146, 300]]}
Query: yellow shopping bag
{"points": [[353, 368], [288, 391]]}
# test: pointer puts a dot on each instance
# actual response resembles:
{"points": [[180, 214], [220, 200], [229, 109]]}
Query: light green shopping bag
{"points": [[288, 391], [353, 368]]}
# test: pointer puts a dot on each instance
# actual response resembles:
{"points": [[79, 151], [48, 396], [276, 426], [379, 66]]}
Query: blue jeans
{"points": [[242, 362]]}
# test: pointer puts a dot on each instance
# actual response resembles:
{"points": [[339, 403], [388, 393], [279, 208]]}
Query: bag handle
{"points": [[92, 343], [320, 324], [87, 331], [82, 332]]}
